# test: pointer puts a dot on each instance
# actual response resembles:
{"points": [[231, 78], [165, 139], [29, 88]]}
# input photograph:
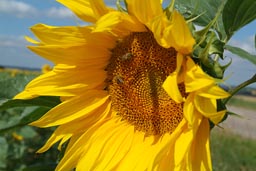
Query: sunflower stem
{"points": [[239, 87]]}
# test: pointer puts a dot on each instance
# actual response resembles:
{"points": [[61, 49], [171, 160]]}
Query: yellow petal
{"points": [[118, 23], [61, 82], [181, 34], [71, 54], [172, 33], [66, 131], [164, 160], [107, 147], [102, 151], [87, 10], [208, 108], [61, 35], [69, 45], [144, 10], [213, 92], [184, 142], [195, 78], [148, 148], [171, 83], [29, 39], [77, 150], [161, 27], [182, 146], [189, 111], [75, 108], [73, 152], [52, 140], [171, 87], [200, 151]]}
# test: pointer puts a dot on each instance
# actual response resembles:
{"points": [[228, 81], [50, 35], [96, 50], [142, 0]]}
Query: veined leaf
{"points": [[241, 53], [205, 11], [40, 106], [47, 102], [237, 14]]}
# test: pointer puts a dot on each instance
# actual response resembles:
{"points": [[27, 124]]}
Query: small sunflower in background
{"points": [[132, 96], [46, 68]]}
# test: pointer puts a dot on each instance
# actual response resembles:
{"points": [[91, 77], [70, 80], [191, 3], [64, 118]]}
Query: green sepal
{"points": [[217, 47], [234, 114]]}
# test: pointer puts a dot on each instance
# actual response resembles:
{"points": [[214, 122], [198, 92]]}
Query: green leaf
{"points": [[25, 119], [35, 108], [207, 9], [27, 132], [32, 116], [44, 167], [204, 11], [237, 14], [3, 152], [44, 101], [11, 85], [241, 53], [2, 101]]}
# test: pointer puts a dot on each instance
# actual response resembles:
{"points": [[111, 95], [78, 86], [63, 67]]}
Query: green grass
{"points": [[240, 102], [232, 152]]}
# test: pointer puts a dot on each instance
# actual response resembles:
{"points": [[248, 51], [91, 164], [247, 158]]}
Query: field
{"points": [[233, 143], [232, 152]]}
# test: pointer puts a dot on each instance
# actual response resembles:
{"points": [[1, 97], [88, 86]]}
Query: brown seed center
{"points": [[136, 71]]}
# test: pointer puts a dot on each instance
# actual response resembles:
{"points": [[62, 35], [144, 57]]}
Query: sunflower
{"points": [[132, 98]]}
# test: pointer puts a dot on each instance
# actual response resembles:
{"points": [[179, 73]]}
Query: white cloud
{"points": [[240, 70], [15, 53], [22, 10], [59, 13], [12, 41], [247, 44], [17, 8]]}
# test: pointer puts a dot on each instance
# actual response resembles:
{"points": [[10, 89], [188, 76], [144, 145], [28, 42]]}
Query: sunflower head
{"points": [[137, 69], [132, 96]]}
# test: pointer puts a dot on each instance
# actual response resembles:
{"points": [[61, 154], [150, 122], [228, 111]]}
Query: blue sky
{"points": [[17, 16]]}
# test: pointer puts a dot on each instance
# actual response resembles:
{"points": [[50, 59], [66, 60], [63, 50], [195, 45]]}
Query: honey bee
{"points": [[126, 56], [119, 79]]}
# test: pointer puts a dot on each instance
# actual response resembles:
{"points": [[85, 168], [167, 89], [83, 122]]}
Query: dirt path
{"points": [[244, 125]]}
